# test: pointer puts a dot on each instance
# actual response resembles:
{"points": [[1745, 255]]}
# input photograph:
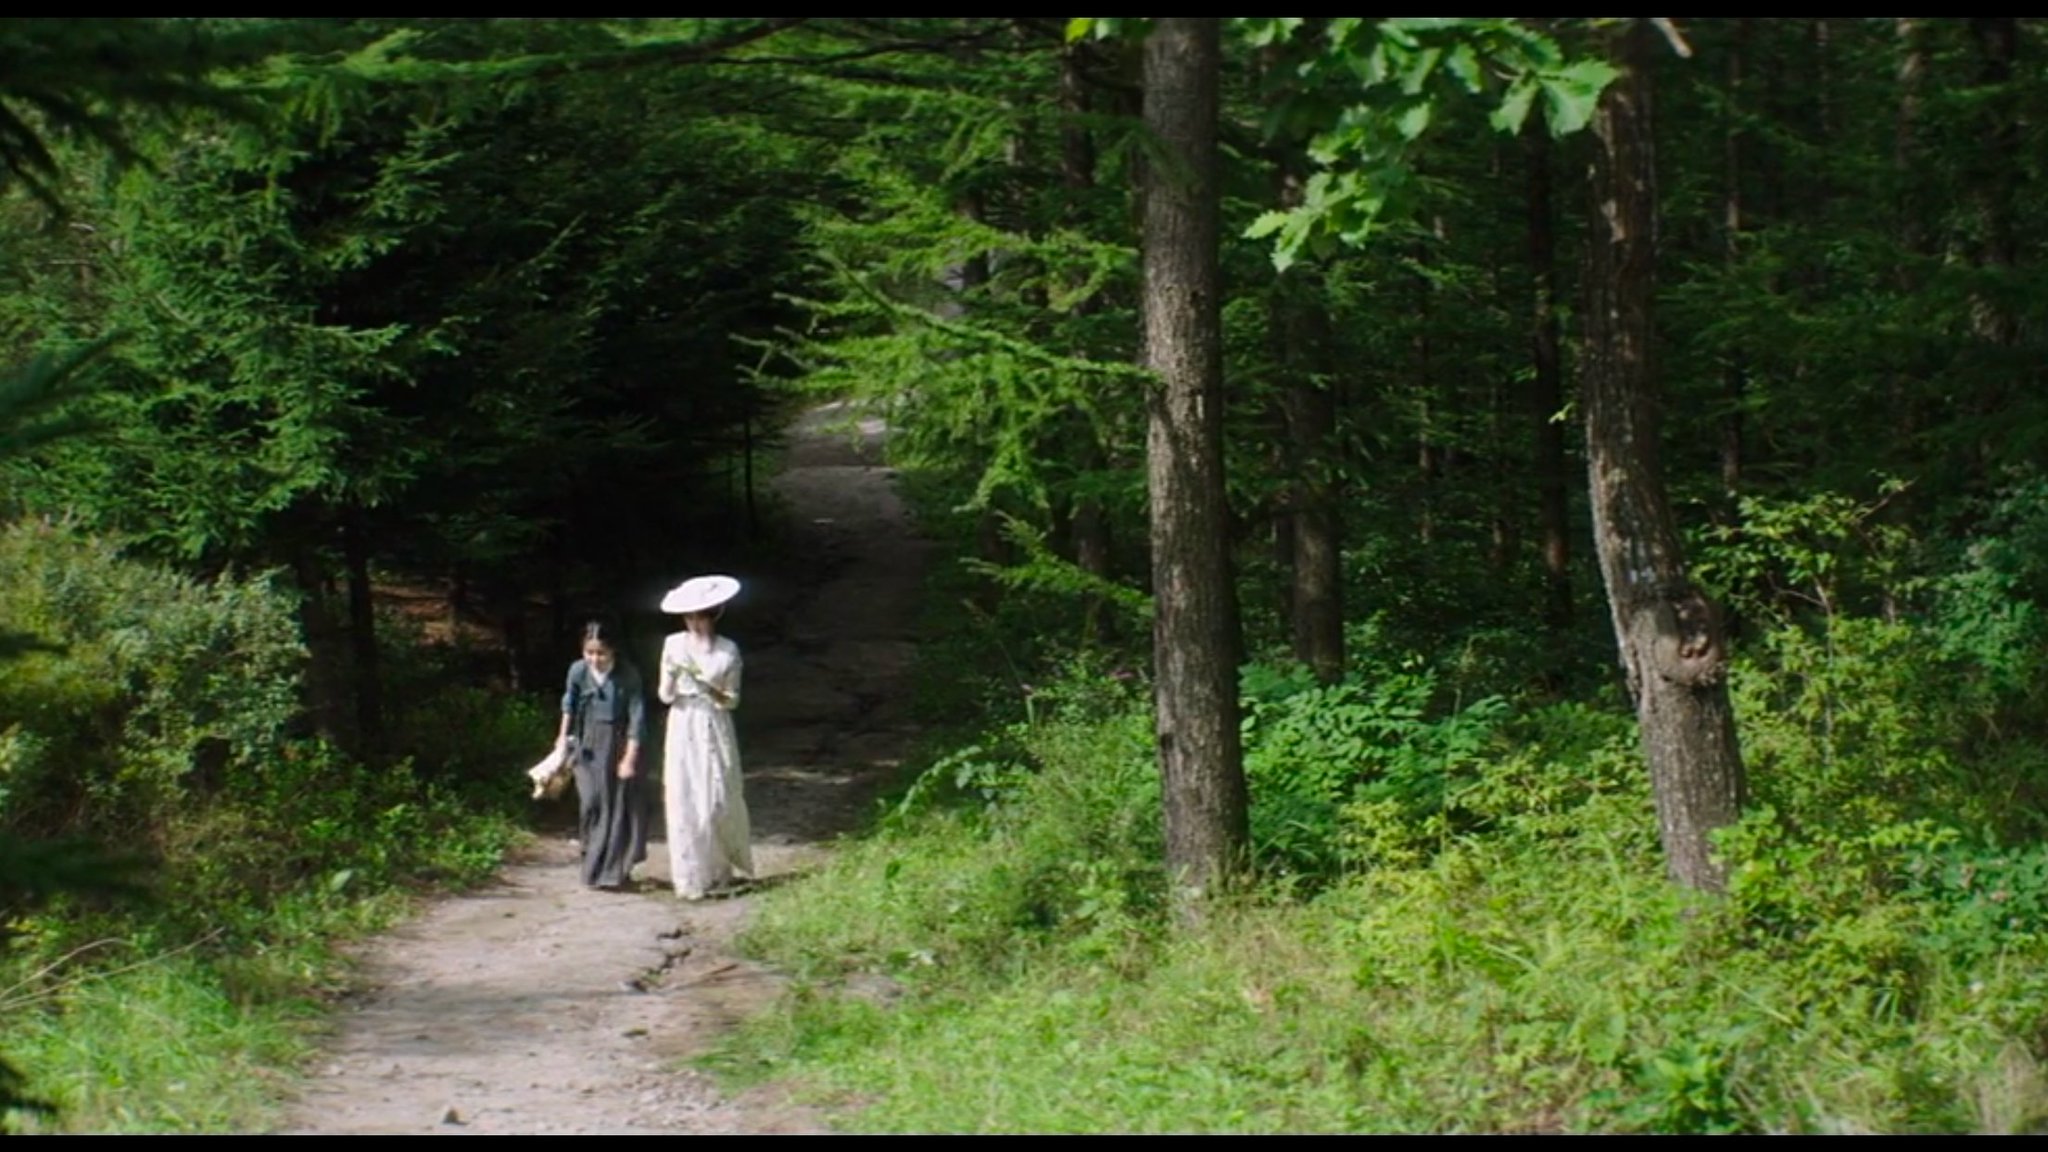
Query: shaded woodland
{"points": [[1549, 513]]}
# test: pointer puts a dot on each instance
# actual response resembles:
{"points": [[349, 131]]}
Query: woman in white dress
{"points": [[706, 807]]}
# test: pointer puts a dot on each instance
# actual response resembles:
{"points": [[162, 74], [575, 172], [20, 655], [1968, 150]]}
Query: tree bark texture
{"points": [[366, 682], [327, 691], [1993, 182], [1546, 388], [1317, 603], [1671, 642], [1906, 152], [1090, 525], [1308, 417], [1195, 630], [1734, 376], [1429, 462]]}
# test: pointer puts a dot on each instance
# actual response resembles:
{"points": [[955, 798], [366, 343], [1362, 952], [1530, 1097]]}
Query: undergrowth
{"points": [[170, 979], [1460, 921], [1524, 967]]}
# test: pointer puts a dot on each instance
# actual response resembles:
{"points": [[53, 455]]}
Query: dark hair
{"points": [[602, 631]]}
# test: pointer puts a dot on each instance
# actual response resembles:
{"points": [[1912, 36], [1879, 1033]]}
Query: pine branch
{"points": [[34, 398], [384, 60], [971, 334], [978, 40], [640, 55], [80, 77]]}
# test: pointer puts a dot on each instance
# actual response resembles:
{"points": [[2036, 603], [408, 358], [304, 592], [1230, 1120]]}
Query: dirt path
{"points": [[536, 1006]]}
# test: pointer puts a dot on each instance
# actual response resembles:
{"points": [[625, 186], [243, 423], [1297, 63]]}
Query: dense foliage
{"points": [[306, 316], [1463, 925], [1460, 924], [316, 319], [159, 713]]}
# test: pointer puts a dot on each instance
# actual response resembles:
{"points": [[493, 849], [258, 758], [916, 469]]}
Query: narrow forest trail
{"points": [[535, 1006]]}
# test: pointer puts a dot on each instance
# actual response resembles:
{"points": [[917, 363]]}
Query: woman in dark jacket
{"points": [[604, 709]]}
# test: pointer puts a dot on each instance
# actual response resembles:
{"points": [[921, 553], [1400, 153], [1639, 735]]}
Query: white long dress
{"points": [[706, 803]]}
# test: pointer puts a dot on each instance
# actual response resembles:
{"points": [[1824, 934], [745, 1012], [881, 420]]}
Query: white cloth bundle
{"points": [[551, 775]]}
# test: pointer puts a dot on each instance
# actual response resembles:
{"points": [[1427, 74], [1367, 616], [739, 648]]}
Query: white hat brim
{"points": [[699, 594]]}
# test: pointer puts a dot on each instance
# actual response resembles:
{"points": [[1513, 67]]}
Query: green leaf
{"points": [[1592, 75], [1261, 32], [1400, 32], [1572, 93], [1267, 224], [1079, 27], [1463, 63], [1417, 73], [1408, 25], [1571, 109], [1514, 107], [1372, 67], [1414, 120]]}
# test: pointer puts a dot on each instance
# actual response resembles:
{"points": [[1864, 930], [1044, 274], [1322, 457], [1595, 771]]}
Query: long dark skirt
{"points": [[614, 811]]}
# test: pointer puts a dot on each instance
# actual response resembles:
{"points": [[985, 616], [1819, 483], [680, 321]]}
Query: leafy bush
{"points": [[1059, 844], [1981, 900], [1854, 726], [1371, 750], [1492, 944], [459, 735], [143, 686], [1991, 609], [1539, 975], [155, 710], [1824, 554]]}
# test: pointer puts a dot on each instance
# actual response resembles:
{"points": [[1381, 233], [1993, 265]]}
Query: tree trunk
{"points": [[1195, 630], [1507, 481], [1502, 534], [1914, 247], [1992, 185], [1428, 455], [365, 681], [1912, 76], [1823, 76], [327, 703], [1089, 526], [1312, 554], [1317, 602], [1546, 389], [1992, 176], [1734, 375], [1669, 633], [1282, 520], [747, 462]]}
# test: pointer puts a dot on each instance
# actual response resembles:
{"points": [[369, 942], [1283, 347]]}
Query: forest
{"points": [[1492, 570]]}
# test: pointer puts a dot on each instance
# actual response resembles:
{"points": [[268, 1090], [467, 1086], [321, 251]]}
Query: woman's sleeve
{"points": [[569, 690], [636, 708], [665, 682]]}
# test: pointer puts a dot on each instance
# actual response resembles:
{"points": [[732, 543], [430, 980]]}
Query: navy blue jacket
{"points": [[620, 698]]}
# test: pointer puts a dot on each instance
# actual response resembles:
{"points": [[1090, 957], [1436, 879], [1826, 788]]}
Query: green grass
{"points": [[162, 1048], [138, 1034], [1463, 923], [1533, 973]]}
